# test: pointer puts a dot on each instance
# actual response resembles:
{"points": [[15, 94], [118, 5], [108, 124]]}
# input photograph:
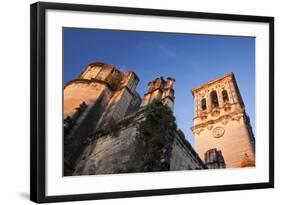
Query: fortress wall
{"points": [[117, 107], [134, 104], [182, 158], [75, 142], [109, 154], [118, 152]]}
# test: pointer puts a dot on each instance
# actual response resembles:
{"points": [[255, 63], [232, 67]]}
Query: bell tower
{"points": [[220, 122]]}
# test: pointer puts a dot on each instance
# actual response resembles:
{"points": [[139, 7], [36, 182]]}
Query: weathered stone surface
{"points": [[109, 154], [103, 113], [119, 153], [76, 139], [108, 94], [162, 90], [183, 157], [78, 92], [226, 126]]}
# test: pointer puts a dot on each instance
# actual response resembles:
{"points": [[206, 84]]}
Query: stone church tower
{"points": [[101, 95], [221, 125]]}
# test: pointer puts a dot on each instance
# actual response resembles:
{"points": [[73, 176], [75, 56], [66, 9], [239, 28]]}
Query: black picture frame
{"points": [[38, 101]]}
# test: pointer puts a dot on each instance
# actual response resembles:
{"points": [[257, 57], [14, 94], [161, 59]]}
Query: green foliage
{"points": [[158, 119], [154, 134]]}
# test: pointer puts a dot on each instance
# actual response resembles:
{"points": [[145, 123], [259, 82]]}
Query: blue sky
{"points": [[190, 59]]}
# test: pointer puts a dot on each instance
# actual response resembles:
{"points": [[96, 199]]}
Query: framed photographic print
{"points": [[129, 102]]}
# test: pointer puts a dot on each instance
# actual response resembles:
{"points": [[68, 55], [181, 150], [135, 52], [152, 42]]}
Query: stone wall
{"points": [[117, 107], [109, 154], [76, 139], [112, 150], [118, 151], [183, 156]]}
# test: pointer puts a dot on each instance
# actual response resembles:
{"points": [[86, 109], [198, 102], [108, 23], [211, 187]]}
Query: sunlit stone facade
{"points": [[103, 111], [162, 90], [220, 122]]}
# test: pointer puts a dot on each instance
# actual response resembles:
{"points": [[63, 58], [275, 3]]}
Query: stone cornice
{"points": [[95, 63], [162, 90], [86, 81], [231, 75], [233, 116], [93, 80], [149, 92]]}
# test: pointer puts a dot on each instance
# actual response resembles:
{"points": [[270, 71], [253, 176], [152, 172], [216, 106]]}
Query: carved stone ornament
{"points": [[224, 121], [202, 94], [204, 117], [198, 131], [237, 117], [218, 132], [227, 107], [209, 126], [215, 112]]}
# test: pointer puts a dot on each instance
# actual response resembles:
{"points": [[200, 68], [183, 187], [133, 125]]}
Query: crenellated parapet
{"points": [[109, 74], [95, 80], [162, 90]]}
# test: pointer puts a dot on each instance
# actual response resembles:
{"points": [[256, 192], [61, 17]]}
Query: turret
{"points": [[162, 90]]}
